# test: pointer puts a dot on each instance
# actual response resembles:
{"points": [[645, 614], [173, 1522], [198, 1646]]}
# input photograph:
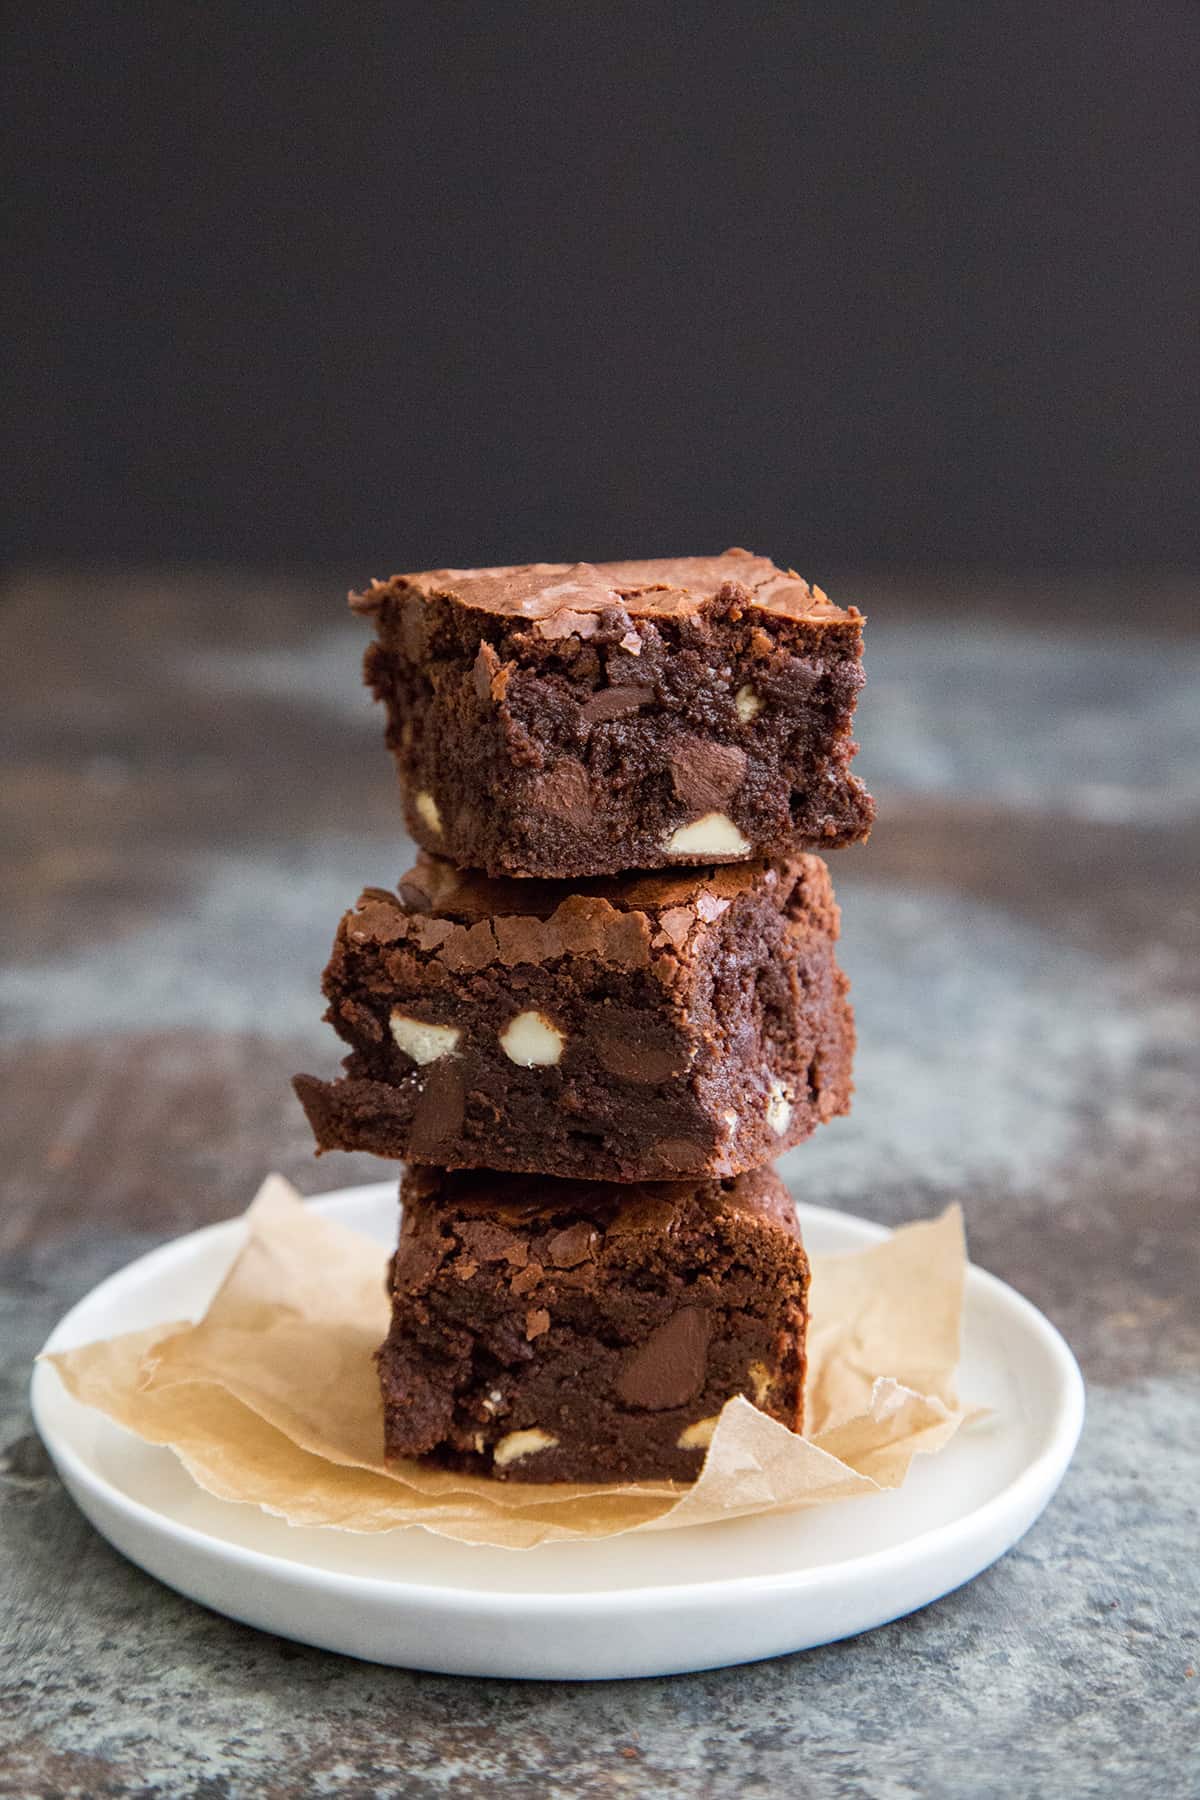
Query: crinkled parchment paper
{"points": [[271, 1397]]}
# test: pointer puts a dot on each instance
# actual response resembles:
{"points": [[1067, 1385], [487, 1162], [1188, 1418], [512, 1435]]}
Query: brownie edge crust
{"points": [[548, 1330]]}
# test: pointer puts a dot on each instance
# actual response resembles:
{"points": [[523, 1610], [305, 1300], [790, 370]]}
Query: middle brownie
{"points": [[636, 1030]]}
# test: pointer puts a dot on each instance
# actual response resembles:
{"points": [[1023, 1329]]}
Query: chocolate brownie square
{"points": [[575, 721], [673, 1024], [547, 1330]]}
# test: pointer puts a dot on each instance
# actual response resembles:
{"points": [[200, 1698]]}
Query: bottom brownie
{"points": [[549, 1330]]}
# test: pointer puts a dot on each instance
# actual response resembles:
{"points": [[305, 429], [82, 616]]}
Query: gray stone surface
{"points": [[196, 790]]}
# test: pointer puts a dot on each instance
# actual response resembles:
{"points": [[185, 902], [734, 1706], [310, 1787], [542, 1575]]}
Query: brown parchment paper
{"points": [[271, 1397]]}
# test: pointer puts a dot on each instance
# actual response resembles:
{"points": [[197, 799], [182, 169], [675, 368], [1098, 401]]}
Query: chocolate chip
{"points": [[669, 1368], [614, 703], [680, 1156], [628, 1051], [646, 1210], [706, 775], [565, 793], [438, 1116]]}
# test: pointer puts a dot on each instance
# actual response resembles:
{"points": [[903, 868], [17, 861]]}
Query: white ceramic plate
{"points": [[654, 1604]]}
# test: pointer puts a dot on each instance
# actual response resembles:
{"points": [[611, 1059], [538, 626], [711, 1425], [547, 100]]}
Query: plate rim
{"points": [[1038, 1477]]}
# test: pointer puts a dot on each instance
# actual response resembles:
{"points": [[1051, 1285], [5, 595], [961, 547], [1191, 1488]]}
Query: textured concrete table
{"points": [[194, 789]]}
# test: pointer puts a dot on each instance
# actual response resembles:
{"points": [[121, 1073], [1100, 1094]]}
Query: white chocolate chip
{"points": [[779, 1109], [427, 806], [532, 1041], [422, 1041], [760, 1377], [748, 704], [698, 1436], [713, 835], [731, 1122], [491, 1401], [517, 1444]]}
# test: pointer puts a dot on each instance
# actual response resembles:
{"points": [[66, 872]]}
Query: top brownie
{"points": [[564, 721]]}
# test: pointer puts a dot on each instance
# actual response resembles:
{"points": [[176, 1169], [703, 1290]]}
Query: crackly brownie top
{"points": [[563, 598], [469, 921], [508, 1205]]}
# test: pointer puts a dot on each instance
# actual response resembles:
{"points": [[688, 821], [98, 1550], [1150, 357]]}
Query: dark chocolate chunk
{"points": [[565, 792], [630, 1046], [706, 776], [614, 703], [438, 1113], [668, 1369]]}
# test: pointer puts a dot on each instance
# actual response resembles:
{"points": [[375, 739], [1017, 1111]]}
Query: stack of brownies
{"points": [[602, 1001]]}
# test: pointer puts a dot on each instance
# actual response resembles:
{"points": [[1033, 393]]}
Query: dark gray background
{"points": [[370, 286]]}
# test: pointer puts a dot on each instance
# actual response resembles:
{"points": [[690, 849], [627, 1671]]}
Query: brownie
{"points": [[575, 721], [684, 1023], [547, 1330]]}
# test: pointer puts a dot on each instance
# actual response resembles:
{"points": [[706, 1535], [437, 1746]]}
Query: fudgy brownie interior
{"points": [[549, 1330]]}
